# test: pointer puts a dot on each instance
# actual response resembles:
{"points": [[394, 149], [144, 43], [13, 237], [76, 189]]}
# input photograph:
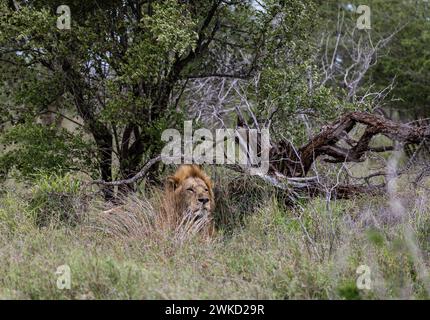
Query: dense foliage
{"points": [[127, 70]]}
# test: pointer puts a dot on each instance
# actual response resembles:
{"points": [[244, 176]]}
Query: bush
{"points": [[237, 196], [31, 148], [57, 199]]}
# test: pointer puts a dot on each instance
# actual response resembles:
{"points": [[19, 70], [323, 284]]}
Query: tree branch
{"points": [[142, 173]]}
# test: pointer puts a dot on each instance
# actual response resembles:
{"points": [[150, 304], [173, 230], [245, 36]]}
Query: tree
{"points": [[123, 64], [388, 63]]}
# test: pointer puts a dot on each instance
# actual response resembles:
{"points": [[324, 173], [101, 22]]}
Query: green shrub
{"points": [[237, 196], [31, 148], [57, 199]]}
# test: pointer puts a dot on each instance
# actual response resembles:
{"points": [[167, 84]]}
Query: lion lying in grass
{"points": [[189, 201], [184, 208]]}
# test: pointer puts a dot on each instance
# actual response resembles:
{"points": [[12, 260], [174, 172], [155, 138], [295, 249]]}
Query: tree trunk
{"points": [[101, 133]]}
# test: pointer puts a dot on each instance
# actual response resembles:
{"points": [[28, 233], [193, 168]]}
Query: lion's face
{"points": [[193, 195]]}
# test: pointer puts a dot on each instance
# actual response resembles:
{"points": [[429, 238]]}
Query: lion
{"points": [[189, 200], [185, 207]]}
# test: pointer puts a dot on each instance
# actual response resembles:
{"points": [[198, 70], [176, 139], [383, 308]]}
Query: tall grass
{"points": [[263, 249]]}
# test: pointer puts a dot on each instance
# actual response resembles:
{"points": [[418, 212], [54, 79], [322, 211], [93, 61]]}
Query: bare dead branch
{"points": [[142, 173]]}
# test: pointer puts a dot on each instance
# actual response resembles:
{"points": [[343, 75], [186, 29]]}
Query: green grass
{"points": [[311, 251]]}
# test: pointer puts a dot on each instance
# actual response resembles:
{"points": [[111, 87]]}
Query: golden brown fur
{"points": [[189, 200]]}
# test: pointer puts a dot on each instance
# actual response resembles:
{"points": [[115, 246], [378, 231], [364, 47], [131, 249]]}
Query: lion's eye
{"points": [[190, 189]]}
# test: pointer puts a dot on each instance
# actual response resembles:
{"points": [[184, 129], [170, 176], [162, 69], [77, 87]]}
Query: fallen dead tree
{"points": [[288, 162], [296, 163], [290, 166]]}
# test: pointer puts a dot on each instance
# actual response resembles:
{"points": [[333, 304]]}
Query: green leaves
{"points": [[32, 148], [288, 87], [172, 26], [169, 33]]}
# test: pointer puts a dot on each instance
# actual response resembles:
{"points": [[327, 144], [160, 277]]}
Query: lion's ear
{"points": [[172, 183]]}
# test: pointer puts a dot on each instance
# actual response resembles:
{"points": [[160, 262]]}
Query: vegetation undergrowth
{"points": [[274, 251]]}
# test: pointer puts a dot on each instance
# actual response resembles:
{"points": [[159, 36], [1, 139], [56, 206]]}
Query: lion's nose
{"points": [[204, 200]]}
